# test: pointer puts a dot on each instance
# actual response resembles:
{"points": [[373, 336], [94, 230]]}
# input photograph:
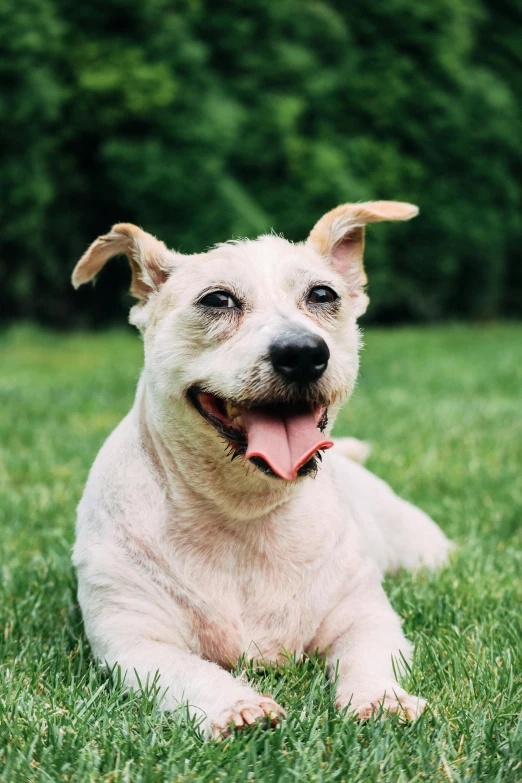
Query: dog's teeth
{"points": [[238, 420]]}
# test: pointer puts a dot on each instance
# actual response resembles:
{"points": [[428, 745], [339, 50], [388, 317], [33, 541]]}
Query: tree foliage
{"points": [[201, 120]]}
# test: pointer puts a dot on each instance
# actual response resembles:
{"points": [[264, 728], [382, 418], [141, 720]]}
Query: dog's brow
{"points": [[302, 274], [303, 277]]}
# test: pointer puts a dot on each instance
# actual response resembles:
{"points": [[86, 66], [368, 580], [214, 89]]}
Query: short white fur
{"points": [[186, 560]]}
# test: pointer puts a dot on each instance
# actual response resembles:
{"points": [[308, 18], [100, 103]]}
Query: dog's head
{"points": [[253, 343]]}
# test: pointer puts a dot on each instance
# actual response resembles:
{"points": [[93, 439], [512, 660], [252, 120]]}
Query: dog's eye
{"points": [[321, 294], [219, 300]]}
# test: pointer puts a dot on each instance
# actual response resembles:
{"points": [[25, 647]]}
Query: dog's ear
{"points": [[150, 260], [339, 237]]}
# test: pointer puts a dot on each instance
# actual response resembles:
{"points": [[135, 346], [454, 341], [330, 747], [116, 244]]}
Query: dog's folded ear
{"points": [[151, 262], [339, 237]]}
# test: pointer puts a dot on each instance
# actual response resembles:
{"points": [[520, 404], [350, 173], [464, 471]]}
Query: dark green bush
{"points": [[201, 120]]}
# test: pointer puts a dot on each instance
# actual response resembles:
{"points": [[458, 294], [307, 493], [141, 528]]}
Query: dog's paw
{"points": [[258, 709], [394, 701]]}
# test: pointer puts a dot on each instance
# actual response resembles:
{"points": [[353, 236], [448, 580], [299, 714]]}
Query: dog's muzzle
{"points": [[280, 437]]}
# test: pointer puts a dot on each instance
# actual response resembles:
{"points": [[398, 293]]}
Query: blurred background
{"points": [[201, 121]]}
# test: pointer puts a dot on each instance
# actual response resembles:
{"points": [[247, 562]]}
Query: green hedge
{"points": [[203, 120]]}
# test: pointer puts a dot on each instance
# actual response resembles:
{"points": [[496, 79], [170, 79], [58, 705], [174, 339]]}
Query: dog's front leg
{"points": [[362, 656], [214, 697]]}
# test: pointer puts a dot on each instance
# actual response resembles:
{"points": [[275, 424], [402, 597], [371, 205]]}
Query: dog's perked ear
{"points": [[150, 260], [339, 237]]}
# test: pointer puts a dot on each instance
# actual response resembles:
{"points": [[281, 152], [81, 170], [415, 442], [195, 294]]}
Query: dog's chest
{"points": [[263, 611], [263, 594], [261, 620]]}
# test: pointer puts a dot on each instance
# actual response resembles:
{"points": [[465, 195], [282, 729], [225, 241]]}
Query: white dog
{"points": [[216, 520]]}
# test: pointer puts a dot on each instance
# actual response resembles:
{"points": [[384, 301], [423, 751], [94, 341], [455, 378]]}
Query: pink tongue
{"points": [[286, 444]]}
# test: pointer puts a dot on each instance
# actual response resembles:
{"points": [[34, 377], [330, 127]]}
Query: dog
{"points": [[218, 521]]}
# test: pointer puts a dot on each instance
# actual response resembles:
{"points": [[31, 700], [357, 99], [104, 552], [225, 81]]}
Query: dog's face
{"points": [[254, 343], [259, 338]]}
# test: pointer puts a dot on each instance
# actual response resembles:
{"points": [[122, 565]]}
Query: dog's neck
{"points": [[196, 464]]}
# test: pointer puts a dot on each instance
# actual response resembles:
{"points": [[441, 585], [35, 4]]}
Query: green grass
{"points": [[443, 409]]}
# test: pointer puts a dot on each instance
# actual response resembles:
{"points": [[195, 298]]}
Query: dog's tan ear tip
{"points": [[89, 264], [77, 277], [396, 210], [118, 240], [410, 210]]}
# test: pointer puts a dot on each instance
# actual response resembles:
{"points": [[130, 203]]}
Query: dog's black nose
{"points": [[300, 357]]}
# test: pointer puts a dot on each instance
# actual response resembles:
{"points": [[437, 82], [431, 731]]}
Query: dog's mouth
{"points": [[280, 439]]}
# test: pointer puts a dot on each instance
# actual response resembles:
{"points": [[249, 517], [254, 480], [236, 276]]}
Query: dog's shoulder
{"points": [[124, 483]]}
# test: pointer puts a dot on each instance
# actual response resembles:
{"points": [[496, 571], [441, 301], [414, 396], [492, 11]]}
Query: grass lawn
{"points": [[443, 408]]}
